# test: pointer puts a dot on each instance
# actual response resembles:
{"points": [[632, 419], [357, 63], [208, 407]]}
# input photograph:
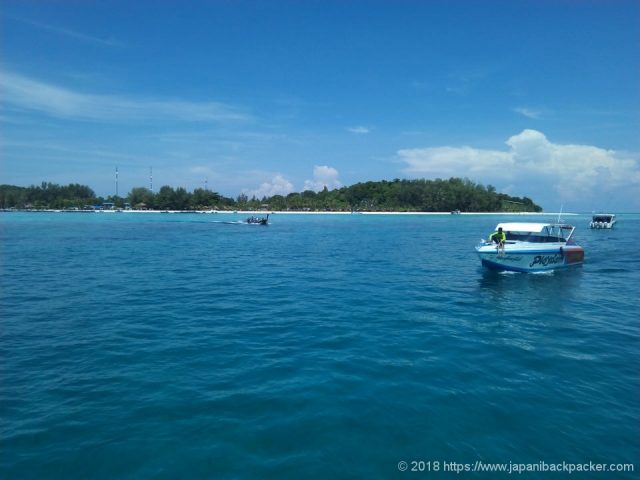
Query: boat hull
{"points": [[517, 259], [598, 225]]}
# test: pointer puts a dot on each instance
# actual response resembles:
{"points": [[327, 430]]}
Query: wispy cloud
{"points": [[419, 85], [533, 165], [457, 89], [109, 42], [528, 112], [24, 93], [359, 129], [462, 83]]}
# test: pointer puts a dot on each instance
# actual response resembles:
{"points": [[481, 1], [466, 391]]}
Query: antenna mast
{"points": [[560, 214], [151, 179], [116, 181]]}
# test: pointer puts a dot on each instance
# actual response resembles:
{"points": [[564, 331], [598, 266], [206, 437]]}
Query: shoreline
{"points": [[278, 212]]}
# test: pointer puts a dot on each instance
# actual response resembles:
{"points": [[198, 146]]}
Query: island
{"points": [[456, 195]]}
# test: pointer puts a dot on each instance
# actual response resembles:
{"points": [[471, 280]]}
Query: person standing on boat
{"points": [[499, 238]]}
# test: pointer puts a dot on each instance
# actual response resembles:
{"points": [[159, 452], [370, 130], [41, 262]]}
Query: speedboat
{"points": [[532, 247], [603, 220], [258, 220]]}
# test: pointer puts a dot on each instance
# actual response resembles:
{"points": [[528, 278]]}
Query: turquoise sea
{"points": [[318, 347]]}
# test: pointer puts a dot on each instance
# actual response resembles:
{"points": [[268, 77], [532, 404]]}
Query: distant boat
{"points": [[455, 212], [258, 220], [603, 220], [532, 247]]}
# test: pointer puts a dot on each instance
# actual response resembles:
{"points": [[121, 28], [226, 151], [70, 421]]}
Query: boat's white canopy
{"points": [[531, 227], [523, 227]]}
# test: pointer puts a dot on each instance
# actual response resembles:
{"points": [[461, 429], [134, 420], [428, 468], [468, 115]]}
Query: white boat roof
{"points": [[527, 227]]}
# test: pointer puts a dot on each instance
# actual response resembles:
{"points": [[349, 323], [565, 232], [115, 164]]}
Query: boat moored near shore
{"points": [[603, 220]]}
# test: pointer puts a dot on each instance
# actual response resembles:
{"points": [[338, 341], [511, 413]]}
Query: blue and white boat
{"points": [[532, 247]]}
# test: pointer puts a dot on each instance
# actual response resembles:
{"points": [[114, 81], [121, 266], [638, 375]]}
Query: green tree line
{"points": [[397, 195], [47, 195]]}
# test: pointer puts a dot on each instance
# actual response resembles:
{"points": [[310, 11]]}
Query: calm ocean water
{"points": [[178, 346]]}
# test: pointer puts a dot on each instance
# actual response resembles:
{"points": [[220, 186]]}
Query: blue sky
{"points": [[538, 98]]}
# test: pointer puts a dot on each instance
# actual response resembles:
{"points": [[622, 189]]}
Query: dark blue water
{"points": [[175, 346]]}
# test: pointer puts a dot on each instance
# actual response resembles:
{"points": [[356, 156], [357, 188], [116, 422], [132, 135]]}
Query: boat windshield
{"points": [[602, 218], [546, 234]]}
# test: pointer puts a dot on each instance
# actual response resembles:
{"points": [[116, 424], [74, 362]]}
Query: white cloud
{"points": [[455, 162], [536, 167], [278, 185], [574, 168], [323, 176], [24, 93], [359, 129]]}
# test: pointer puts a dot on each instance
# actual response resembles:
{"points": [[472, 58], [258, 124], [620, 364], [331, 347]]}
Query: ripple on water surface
{"points": [[320, 346]]}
